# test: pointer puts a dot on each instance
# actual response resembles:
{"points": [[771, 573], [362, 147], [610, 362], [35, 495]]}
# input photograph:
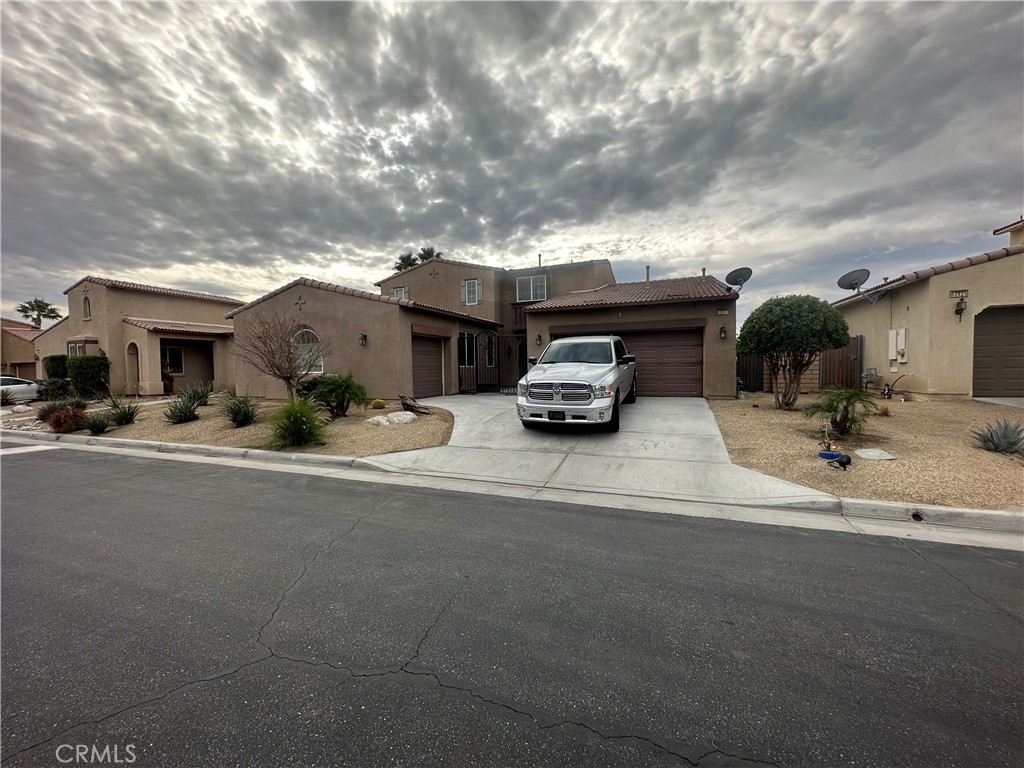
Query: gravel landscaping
{"points": [[937, 460]]}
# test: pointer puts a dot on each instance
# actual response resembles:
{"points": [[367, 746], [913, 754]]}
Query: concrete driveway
{"points": [[665, 448]]}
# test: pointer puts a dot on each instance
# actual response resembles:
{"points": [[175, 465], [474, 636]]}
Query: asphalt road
{"points": [[199, 615]]}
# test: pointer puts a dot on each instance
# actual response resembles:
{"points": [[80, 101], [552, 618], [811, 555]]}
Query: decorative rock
{"points": [[380, 421], [22, 409], [402, 417]]}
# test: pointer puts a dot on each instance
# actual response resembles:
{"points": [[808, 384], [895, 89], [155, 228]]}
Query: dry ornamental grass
{"points": [[937, 459]]}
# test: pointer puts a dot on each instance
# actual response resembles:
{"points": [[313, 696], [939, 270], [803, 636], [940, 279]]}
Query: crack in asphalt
{"points": [[963, 583]]}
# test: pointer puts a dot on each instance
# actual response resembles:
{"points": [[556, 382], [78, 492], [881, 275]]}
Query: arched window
{"points": [[307, 344], [86, 308]]}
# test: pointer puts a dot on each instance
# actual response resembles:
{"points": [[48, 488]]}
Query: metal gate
{"points": [[490, 363], [842, 367], [750, 369]]}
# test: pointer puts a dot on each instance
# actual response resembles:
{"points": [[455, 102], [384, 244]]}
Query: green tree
{"points": [[845, 409], [409, 259], [427, 253], [790, 332], [38, 310]]}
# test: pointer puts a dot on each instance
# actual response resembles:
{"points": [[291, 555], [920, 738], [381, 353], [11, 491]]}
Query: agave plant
{"points": [[845, 409], [1001, 437], [120, 411]]}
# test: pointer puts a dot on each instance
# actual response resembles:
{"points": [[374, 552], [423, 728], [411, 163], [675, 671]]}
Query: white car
{"points": [[22, 390], [581, 379]]}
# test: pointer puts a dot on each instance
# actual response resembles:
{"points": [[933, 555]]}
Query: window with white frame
{"points": [[76, 348], [174, 359], [532, 288], [307, 344], [471, 292], [400, 293]]}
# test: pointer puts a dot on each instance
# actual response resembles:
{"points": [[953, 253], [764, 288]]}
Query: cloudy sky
{"points": [[231, 148]]}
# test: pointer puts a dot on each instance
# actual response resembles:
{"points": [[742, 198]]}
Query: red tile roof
{"points": [[672, 291], [924, 274], [25, 334], [124, 285], [174, 326], [1016, 225], [363, 295]]}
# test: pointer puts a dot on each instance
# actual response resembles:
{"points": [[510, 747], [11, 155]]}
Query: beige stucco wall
{"points": [[108, 307], [561, 279], [940, 347], [443, 289], [719, 355], [17, 356]]}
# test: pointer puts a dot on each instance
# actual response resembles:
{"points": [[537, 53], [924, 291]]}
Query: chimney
{"points": [[648, 273], [703, 271]]}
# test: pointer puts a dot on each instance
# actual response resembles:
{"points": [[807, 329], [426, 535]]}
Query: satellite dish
{"points": [[852, 281], [738, 277]]}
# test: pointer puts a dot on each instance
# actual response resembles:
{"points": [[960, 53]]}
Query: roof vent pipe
{"points": [[703, 271], [538, 259], [648, 273]]}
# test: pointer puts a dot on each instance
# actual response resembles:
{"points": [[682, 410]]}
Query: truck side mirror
{"points": [[531, 360], [626, 359]]}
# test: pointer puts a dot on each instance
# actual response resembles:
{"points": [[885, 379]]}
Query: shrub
{"points": [[54, 389], [66, 419], [1002, 437], [298, 422], [56, 366], [181, 411], [97, 423], [378, 405], [6, 397], [120, 411], [304, 388], [199, 393], [883, 410], [89, 374], [337, 393], [240, 411], [846, 409], [46, 411]]}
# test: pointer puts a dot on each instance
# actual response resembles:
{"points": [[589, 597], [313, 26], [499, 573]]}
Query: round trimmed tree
{"points": [[790, 332]]}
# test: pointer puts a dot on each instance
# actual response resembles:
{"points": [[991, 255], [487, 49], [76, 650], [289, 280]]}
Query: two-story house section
{"points": [[493, 361]]}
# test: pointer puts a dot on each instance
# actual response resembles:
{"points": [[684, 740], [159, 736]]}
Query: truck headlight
{"points": [[603, 390], [523, 388]]}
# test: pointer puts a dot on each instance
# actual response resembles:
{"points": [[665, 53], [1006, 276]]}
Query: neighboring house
{"points": [[17, 348], [391, 346], [682, 331], [138, 327], [493, 362], [955, 330]]}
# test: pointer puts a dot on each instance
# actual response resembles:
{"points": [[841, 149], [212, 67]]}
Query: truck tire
{"points": [[631, 395], [613, 423]]}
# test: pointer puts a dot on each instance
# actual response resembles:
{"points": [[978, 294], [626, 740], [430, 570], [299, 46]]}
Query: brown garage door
{"points": [[426, 367], [668, 363], [999, 352]]}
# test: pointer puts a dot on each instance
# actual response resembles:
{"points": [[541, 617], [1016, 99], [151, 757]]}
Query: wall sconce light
{"points": [[961, 307], [721, 333], [362, 339], [539, 340]]}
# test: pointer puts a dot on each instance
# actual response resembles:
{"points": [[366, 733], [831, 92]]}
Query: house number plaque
{"points": [[961, 294]]}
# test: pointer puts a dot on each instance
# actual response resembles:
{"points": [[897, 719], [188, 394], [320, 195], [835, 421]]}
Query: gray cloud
{"points": [[232, 148]]}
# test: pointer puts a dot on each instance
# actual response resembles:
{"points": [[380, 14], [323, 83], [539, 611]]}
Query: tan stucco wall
{"points": [[383, 366], [940, 348], [719, 355], [108, 307], [561, 279], [17, 355], [443, 290]]}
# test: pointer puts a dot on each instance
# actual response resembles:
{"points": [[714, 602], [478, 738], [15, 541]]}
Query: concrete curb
{"points": [[953, 517]]}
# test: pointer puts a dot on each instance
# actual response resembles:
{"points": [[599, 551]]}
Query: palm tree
{"points": [[408, 259], [845, 409], [405, 261], [427, 253], [38, 310]]}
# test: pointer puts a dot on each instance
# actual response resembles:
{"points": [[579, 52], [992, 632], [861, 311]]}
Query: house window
{"points": [[174, 359], [76, 348], [471, 292], [467, 349], [307, 344], [86, 308], [400, 293], [532, 288]]}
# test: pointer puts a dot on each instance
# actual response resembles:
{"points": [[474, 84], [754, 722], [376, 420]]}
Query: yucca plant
{"points": [[199, 393], [1002, 437], [97, 423], [298, 422], [240, 411], [845, 409], [6, 397], [120, 411], [181, 411]]}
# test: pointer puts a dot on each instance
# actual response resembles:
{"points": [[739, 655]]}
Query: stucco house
{"points": [[682, 331], [392, 346], [955, 330], [138, 326], [17, 348]]}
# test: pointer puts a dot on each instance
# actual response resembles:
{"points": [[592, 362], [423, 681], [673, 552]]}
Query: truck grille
{"points": [[568, 392]]}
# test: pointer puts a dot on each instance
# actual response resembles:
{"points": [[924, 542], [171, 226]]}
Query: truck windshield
{"points": [[579, 352]]}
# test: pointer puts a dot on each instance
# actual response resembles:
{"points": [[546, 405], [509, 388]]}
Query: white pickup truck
{"points": [[581, 379]]}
